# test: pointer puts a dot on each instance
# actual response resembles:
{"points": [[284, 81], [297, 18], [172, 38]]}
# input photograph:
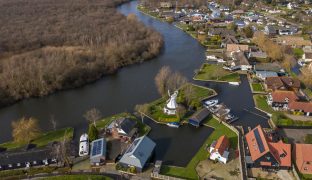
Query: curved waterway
{"points": [[115, 93]]}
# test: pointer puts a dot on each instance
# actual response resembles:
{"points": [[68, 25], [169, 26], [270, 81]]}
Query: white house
{"points": [[219, 150], [171, 106]]}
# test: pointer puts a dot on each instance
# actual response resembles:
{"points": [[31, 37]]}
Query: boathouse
{"points": [[198, 117]]}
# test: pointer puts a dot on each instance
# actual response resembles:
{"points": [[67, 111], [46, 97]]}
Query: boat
{"points": [[210, 103], [174, 124], [84, 145], [220, 61], [212, 57], [214, 108], [234, 83]]}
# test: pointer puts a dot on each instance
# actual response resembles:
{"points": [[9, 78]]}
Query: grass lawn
{"points": [[43, 139], [143, 128], [261, 103], [257, 87], [189, 171], [78, 177], [215, 72], [156, 107]]}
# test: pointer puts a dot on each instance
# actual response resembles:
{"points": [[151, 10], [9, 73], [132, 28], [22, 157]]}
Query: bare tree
{"points": [[92, 115], [189, 94], [143, 110], [161, 79], [25, 130], [61, 151], [167, 80]]}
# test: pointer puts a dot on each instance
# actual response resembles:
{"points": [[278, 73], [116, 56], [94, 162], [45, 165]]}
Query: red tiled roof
{"points": [[303, 158], [303, 106], [281, 152], [280, 96], [222, 144], [253, 144]]}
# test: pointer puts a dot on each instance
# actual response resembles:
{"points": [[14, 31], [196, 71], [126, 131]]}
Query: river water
{"points": [[114, 93], [130, 86]]}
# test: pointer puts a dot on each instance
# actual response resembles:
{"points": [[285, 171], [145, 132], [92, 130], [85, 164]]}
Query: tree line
{"points": [[49, 45]]}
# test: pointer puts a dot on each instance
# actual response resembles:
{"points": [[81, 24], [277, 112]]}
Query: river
{"points": [[114, 93]]}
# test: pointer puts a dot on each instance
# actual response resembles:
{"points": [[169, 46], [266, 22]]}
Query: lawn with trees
{"points": [[189, 171], [215, 72]]}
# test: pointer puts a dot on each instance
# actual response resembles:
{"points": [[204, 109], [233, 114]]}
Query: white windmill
{"points": [[171, 106]]}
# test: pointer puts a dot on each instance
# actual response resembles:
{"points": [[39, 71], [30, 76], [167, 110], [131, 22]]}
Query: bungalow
{"points": [[275, 67], [223, 32], [98, 152], [257, 54], [282, 83], [198, 117], [293, 41], [124, 128], [236, 47], [215, 14], [138, 153], [304, 107], [271, 30], [279, 100], [240, 61], [266, 154], [265, 74], [219, 149], [303, 158]]}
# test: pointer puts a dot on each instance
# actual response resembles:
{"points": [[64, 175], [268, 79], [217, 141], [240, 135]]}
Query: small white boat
{"points": [[173, 124], [84, 145], [234, 83], [210, 103], [212, 57], [220, 61]]}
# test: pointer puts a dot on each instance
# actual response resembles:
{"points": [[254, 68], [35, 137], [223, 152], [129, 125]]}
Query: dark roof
{"points": [[268, 67], [240, 58], [221, 31], [126, 124], [200, 115]]}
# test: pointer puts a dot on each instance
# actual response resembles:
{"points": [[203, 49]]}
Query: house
{"points": [[282, 83], [303, 158], [166, 5], [307, 54], [240, 61], [198, 117], [265, 153], [240, 23], [124, 128], [270, 30], [304, 107], [224, 8], [293, 41], [215, 14], [98, 152], [264, 74], [138, 153], [219, 149], [279, 100], [228, 39], [236, 47]]}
